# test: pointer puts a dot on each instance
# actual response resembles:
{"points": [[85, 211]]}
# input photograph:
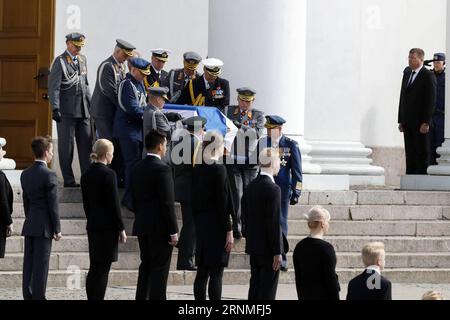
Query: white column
{"points": [[443, 167], [262, 43], [333, 91]]}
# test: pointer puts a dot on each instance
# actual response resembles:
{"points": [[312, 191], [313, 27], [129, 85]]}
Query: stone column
{"points": [[263, 45], [5, 164], [333, 91]]}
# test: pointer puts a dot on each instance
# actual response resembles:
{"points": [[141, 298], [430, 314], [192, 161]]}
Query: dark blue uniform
{"points": [[437, 129], [290, 177], [128, 127]]}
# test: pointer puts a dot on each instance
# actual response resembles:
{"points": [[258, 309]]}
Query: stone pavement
{"points": [[285, 292]]}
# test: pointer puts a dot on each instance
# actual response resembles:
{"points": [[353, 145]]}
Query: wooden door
{"points": [[26, 51]]}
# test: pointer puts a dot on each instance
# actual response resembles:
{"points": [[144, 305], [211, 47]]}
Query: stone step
{"points": [[131, 261], [71, 227], [76, 278], [355, 197], [353, 213], [404, 244]]}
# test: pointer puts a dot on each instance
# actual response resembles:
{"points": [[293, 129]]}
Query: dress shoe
{"points": [[284, 269], [187, 268], [237, 235], [71, 185]]}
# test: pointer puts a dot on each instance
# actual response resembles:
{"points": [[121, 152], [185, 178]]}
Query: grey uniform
{"points": [[69, 94], [154, 119], [104, 99], [244, 168], [176, 81]]}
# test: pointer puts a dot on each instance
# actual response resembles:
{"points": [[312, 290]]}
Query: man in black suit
{"points": [[40, 201], [186, 154], [417, 101], [155, 224], [261, 205], [371, 285], [209, 90]]}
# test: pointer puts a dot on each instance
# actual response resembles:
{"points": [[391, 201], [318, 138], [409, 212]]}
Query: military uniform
{"points": [[178, 78], [200, 92], [70, 101], [132, 99], [104, 99], [290, 177], [437, 128], [242, 168], [157, 78]]}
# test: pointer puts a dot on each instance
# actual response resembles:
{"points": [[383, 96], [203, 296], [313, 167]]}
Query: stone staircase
{"points": [[414, 226]]}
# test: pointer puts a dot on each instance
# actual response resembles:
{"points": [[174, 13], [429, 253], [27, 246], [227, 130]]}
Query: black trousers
{"points": [[186, 247], [156, 254], [240, 177], [35, 267], [417, 150], [263, 280], [103, 251], [215, 276], [118, 164]]}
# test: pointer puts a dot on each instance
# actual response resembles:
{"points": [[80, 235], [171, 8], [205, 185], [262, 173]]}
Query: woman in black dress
{"points": [[315, 261], [6, 207], [104, 219], [212, 212]]}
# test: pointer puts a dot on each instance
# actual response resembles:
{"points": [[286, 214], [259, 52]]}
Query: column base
{"points": [[347, 158], [7, 164], [13, 177], [305, 149], [425, 183], [443, 167], [319, 182]]}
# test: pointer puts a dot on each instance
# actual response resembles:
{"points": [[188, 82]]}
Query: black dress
{"points": [[6, 207], [212, 211], [315, 270]]}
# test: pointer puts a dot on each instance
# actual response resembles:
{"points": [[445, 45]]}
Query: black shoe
{"points": [[71, 185], [284, 269], [187, 268]]}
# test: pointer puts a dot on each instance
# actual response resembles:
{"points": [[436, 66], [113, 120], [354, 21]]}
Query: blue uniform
{"points": [[128, 127], [290, 177], [437, 129]]}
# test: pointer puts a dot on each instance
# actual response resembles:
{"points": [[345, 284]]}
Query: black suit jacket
{"points": [[40, 201], [6, 201], [417, 101], [221, 85], [358, 287], [153, 199], [260, 216], [101, 199]]}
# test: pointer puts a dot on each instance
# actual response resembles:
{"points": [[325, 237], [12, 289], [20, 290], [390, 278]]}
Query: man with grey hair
{"points": [[261, 226], [371, 285], [417, 102]]}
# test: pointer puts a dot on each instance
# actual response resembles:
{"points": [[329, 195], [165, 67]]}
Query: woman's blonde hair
{"points": [[101, 148], [433, 295]]}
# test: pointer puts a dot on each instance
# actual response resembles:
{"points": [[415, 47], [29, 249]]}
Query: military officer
{"points": [[104, 103], [155, 119], [209, 90], [132, 100], [290, 178], [70, 99], [437, 129], [242, 169], [157, 76], [179, 78]]}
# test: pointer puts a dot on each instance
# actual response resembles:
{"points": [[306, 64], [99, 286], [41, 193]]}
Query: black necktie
{"points": [[412, 78]]}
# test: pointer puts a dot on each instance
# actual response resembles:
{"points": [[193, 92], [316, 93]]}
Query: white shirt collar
{"points": [[268, 175], [41, 161], [153, 155], [374, 268]]}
